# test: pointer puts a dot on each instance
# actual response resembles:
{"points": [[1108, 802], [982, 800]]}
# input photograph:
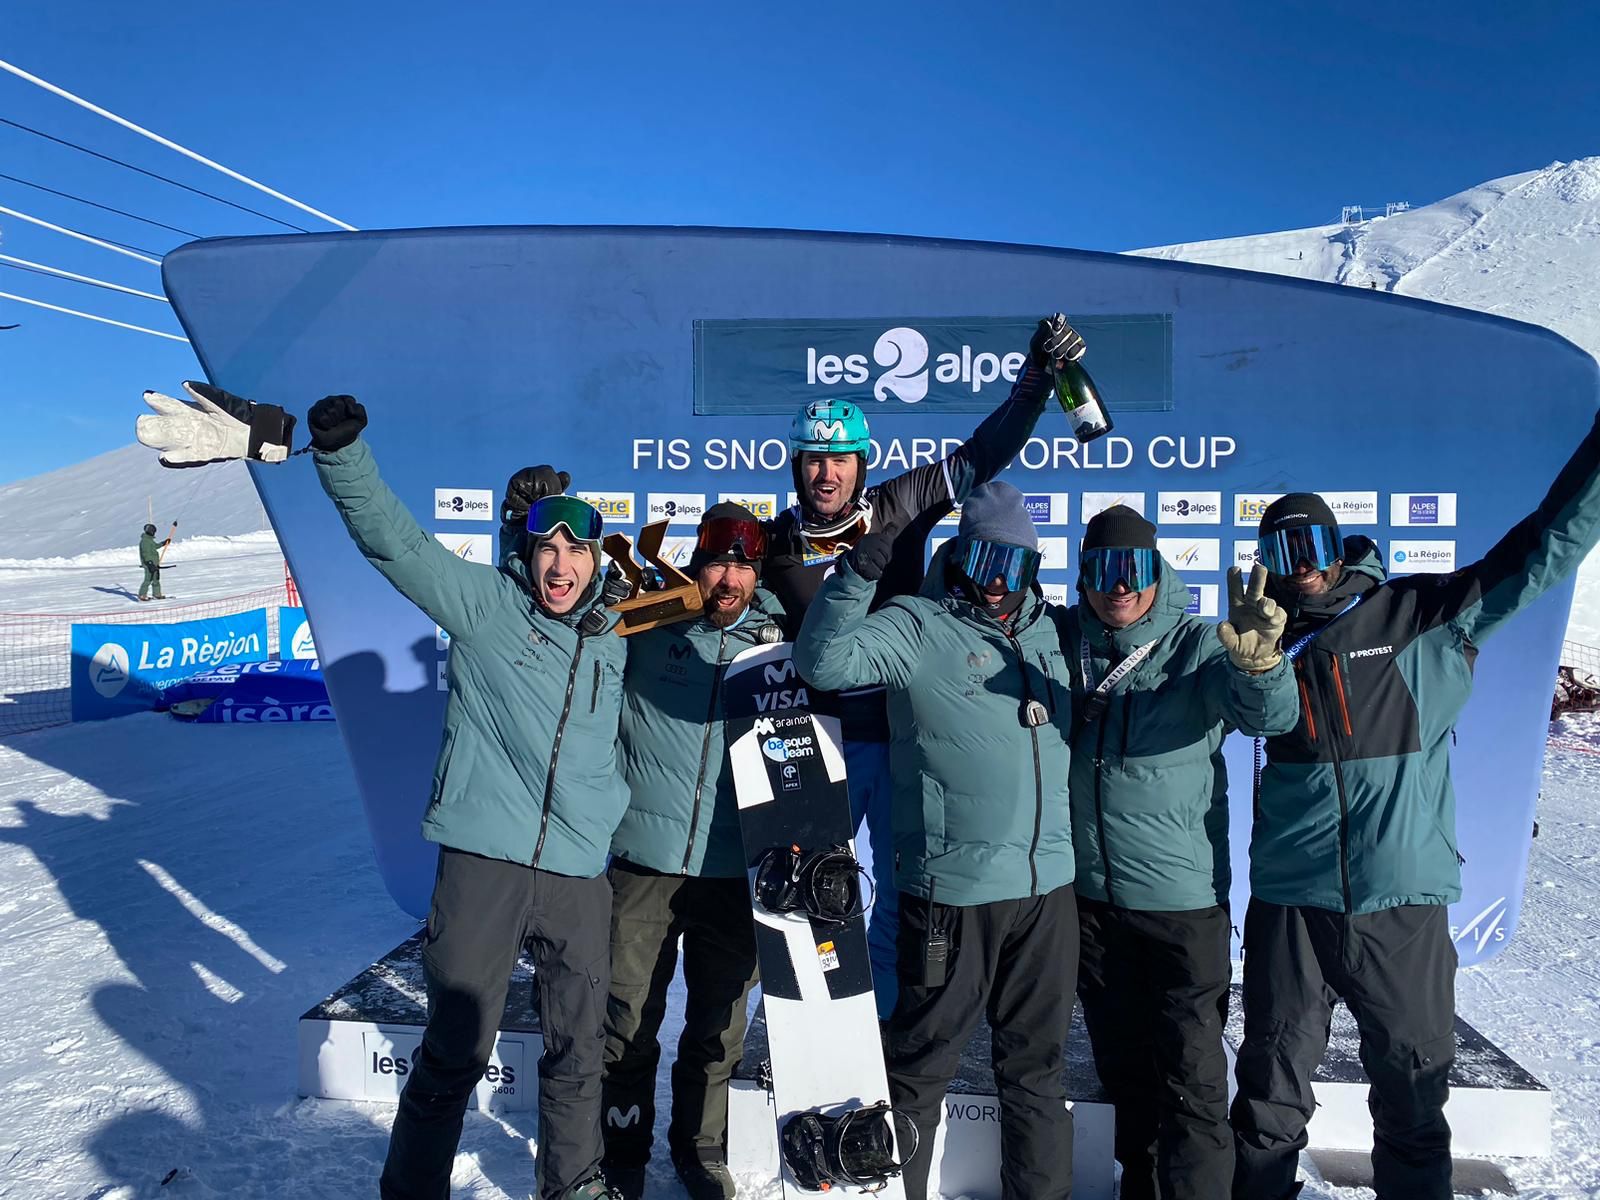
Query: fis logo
{"points": [[1488, 926], [1095, 503], [471, 547], [1249, 507], [1191, 554], [1189, 508], [612, 506], [1422, 508], [764, 504], [463, 504], [680, 508]]}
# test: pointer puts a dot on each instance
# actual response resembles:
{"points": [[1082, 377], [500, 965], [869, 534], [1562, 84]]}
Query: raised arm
{"points": [[841, 645]]}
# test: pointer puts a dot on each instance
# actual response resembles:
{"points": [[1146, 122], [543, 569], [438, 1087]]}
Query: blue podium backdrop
{"points": [[659, 367]]}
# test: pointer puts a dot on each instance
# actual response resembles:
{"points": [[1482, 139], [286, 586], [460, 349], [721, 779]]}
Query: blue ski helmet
{"points": [[829, 427]]}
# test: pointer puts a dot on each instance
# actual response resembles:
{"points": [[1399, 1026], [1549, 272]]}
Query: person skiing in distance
{"points": [[678, 871], [980, 707], [523, 823], [1155, 691], [829, 441], [150, 560], [1353, 854]]}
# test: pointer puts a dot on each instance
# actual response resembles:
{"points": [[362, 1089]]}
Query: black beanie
{"points": [[728, 510], [1296, 508], [150, 529], [1119, 527]]}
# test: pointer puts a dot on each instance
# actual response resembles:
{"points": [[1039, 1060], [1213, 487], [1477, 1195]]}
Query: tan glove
{"points": [[1255, 623]]}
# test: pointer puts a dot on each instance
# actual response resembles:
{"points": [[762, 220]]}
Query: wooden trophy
{"points": [[678, 597]]}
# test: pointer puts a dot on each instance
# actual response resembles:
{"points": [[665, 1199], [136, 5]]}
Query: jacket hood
{"points": [[1363, 571], [517, 567], [1168, 608], [934, 588]]}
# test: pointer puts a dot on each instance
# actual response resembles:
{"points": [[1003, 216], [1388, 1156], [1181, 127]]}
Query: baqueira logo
{"points": [[463, 504], [909, 367], [1189, 508]]}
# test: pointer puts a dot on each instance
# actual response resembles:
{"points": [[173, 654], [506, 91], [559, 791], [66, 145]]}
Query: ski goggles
{"points": [[983, 562], [1283, 551], [728, 536], [581, 521], [1102, 568]]}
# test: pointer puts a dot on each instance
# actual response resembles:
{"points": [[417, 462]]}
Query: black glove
{"points": [[869, 557], [336, 421], [527, 487], [1055, 341]]}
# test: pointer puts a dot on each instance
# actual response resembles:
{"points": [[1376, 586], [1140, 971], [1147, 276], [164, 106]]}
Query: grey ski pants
{"points": [[483, 911]]}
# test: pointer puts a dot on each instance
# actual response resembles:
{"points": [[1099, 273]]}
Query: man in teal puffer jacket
{"points": [[525, 797], [979, 712], [678, 870], [1353, 854], [1155, 691]]}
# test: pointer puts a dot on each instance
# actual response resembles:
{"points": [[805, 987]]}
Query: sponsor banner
{"points": [[389, 1055], [1422, 508], [294, 634], [1095, 503], [1189, 508], [913, 364], [441, 638], [118, 669], [677, 548], [252, 693], [441, 678], [791, 499], [470, 547], [1046, 508], [1202, 600], [463, 504], [1416, 558], [1353, 508], [1191, 554], [1058, 593], [1053, 555], [1249, 506], [613, 507], [680, 508], [763, 504], [1246, 554], [953, 517]]}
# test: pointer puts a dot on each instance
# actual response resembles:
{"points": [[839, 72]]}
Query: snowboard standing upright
{"points": [[816, 977]]}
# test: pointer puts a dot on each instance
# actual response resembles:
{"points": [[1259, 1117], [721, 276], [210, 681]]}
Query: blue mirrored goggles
{"points": [[983, 562], [1102, 568], [1282, 552]]}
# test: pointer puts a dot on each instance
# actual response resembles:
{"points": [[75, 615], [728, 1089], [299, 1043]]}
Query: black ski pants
{"points": [[483, 911], [1016, 963], [1396, 970], [1154, 987], [649, 913]]}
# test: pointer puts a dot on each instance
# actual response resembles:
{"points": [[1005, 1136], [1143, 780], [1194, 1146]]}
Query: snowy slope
{"points": [[1526, 246], [103, 502]]}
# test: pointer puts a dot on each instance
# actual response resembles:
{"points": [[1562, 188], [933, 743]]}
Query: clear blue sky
{"points": [[1105, 127]]}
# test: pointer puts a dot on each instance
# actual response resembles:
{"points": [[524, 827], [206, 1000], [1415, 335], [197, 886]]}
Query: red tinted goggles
{"points": [[722, 536]]}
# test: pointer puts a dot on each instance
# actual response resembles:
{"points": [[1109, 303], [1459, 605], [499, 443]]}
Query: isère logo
{"points": [[763, 504], [1250, 507], [612, 506]]}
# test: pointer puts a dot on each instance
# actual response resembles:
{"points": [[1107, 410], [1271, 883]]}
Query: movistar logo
{"points": [[828, 431], [618, 1119]]}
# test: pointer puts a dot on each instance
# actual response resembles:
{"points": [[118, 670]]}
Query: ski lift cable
{"points": [[116, 247], [41, 269], [95, 204], [168, 143], [73, 312], [255, 212]]}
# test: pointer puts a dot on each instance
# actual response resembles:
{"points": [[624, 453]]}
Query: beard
{"points": [[722, 618]]}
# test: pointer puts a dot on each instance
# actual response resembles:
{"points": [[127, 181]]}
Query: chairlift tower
{"points": [[1351, 215]]}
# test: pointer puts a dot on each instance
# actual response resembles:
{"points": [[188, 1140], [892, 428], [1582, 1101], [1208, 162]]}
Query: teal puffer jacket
{"points": [[528, 770], [1149, 785], [683, 816], [980, 798]]}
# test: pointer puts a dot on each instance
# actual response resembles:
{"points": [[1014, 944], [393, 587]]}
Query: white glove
{"points": [[1255, 623], [217, 427]]}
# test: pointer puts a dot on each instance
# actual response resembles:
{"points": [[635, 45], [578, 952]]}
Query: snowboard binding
{"points": [[856, 1148], [824, 884]]}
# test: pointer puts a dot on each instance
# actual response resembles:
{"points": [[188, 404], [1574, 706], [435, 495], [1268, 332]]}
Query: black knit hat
{"points": [[1296, 508], [726, 510], [1119, 527], [150, 529]]}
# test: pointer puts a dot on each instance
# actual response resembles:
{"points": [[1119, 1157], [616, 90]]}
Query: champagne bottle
{"points": [[1080, 400]]}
